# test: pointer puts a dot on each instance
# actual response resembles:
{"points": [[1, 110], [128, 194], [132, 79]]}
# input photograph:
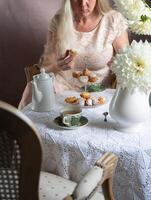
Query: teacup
{"points": [[71, 116]]}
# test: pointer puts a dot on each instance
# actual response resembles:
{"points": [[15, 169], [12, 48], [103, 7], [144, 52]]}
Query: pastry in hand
{"points": [[71, 100], [101, 100], [71, 53], [85, 95]]}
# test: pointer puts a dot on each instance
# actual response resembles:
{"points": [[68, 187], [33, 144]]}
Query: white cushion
{"points": [[53, 187], [88, 183]]}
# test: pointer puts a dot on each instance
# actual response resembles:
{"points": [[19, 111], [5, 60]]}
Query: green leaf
{"points": [[144, 18]]}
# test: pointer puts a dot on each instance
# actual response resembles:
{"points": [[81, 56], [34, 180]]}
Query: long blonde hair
{"points": [[65, 29]]}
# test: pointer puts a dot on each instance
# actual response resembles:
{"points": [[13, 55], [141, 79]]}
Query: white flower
{"points": [[133, 10], [141, 27], [132, 66]]}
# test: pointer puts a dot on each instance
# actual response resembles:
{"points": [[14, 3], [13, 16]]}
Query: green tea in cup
{"points": [[71, 116]]}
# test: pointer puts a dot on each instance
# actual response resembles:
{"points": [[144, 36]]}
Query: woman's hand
{"points": [[66, 62]]}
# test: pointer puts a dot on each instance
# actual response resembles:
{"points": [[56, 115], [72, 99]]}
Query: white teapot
{"points": [[43, 97]]}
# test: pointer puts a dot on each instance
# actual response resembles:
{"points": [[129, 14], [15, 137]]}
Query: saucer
{"points": [[83, 122]]}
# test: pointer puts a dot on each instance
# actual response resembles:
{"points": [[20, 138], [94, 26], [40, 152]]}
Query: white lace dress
{"points": [[94, 48]]}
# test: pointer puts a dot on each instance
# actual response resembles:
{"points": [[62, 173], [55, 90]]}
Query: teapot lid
{"points": [[43, 75]]}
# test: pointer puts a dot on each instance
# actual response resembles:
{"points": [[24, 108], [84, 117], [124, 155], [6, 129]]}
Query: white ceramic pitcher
{"points": [[43, 97], [129, 109]]}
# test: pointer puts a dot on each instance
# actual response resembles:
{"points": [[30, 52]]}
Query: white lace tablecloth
{"points": [[70, 153]]}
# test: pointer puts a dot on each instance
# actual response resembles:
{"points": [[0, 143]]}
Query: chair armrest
{"points": [[103, 170], [88, 183], [108, 162], [30, 71]]}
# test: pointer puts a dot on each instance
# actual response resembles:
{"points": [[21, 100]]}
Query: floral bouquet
{"points": [[132, 66], [138, 14]]}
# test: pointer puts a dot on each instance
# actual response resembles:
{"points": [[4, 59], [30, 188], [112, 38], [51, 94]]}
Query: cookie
{"points": [[101, 100], [93, 79], [86, 72], [71, 99], [76, 74]]}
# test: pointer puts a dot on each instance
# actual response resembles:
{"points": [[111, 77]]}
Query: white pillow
{"points": [[88, 183]]}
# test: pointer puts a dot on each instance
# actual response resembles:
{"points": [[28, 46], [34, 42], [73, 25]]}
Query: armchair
{"points": [[20, 165]]}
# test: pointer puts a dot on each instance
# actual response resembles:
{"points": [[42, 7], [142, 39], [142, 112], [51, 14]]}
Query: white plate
{"points": [[77, 105], [93, 106]]}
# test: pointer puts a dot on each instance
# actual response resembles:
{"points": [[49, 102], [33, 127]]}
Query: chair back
{"points": [[20, 155]]}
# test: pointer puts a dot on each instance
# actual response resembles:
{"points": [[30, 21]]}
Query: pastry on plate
{"points": [[86, 72], [89, 102], [93, 79], [101, 100], [76, 74], [71, 100], [94, 100], [85, 95], [81, 101]]}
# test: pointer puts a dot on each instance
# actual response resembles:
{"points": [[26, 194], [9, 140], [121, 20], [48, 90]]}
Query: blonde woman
{"points": [[93, 30]]}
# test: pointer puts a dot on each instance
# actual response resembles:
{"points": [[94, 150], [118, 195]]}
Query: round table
{"points": [[70, 153]]}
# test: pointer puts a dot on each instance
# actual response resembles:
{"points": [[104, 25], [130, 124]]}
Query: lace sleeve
{"points": [[120, 24]]}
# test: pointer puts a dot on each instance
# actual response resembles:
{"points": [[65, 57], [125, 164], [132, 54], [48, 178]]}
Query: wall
{"points": [[23, 26]]}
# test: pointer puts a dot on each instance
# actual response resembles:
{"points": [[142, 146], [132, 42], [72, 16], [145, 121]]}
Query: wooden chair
{"points": [[20, 155], [30, 71], [20, 164]]}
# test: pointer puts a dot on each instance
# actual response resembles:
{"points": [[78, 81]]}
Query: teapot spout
{"points": [[37, 95]]}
